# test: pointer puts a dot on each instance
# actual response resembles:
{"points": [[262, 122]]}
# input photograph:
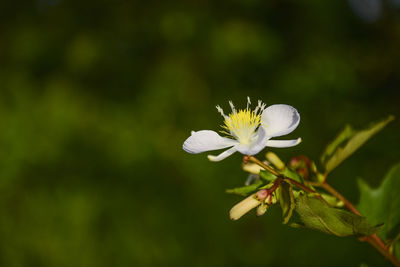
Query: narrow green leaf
{"points": [[286, 200], [382, 205], [344, 135], [356, 140], [245, 190], [267, 176], [314, 214], [292, 174]]}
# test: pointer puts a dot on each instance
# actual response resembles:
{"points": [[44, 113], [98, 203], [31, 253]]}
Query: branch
{"points": [[374, 239], [290, 180]]}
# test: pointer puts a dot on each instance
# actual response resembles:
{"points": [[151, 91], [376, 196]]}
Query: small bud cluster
{"points": [[306, 169], [260, 200]]}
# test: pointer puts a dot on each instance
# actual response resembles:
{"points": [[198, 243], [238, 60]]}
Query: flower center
{"points": [[242, 124]]}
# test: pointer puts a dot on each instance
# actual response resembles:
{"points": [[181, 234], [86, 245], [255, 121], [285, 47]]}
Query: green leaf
{"points": [[245, 190], [267, 176], [286, 200], [314, 214], [382, 205], [344, 135], [397, 250], [331, 200], [335, 153], [292, 174]]}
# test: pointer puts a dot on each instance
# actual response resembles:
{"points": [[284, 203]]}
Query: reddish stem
{"points": [[347, 203], [290, 180], [373, 240], [277, 182]]}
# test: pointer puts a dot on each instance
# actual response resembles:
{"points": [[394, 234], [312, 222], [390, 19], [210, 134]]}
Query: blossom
{"points": [[247, 131]]}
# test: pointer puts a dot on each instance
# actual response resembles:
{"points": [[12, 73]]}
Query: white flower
{"points": [[248, 131]]}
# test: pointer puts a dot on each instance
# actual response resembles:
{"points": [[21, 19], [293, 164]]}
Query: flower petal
{"points": [[206, 140], [279, 120], [223, 155], [283, 143], [256, 146]]}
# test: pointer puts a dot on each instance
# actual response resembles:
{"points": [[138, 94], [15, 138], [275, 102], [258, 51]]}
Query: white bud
{"points": [[244, 207], [252, 168], [262, 209], [275, 160]]}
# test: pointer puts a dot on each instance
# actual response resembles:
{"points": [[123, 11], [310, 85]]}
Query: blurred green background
{"points": [[97, 97]]}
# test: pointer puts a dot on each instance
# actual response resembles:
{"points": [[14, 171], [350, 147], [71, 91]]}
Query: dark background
{"points": [[97, 97]]}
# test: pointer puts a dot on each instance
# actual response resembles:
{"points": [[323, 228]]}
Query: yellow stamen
{"points": [[242, 125]]}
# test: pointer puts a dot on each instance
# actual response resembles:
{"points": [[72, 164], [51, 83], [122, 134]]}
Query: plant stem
{"points": [[335, 193], [307, 189], [275, 186], [374, 239], [290, 180], [261, 164]]}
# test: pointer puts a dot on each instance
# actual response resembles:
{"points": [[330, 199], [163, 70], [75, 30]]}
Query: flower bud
{"points": [[262, 209], [244, 206], [252, 168], [262, 194], [301, 164], [275, 160], [294, 163], [303, 172]]}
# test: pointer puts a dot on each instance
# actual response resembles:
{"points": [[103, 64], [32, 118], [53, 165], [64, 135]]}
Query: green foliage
{"points": [[314, 214], [98, 96], [292, 174], [382, 204], [267, 176], [286, 200], [245, 190], [332, 200], [344, 135], [397, 251], [335, 154]]}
